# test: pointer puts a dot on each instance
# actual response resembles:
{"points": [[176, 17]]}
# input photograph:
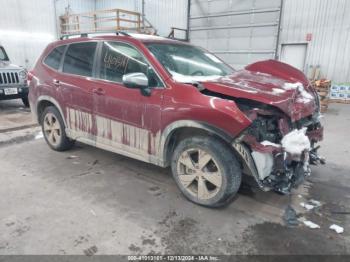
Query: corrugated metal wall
{"points": [[329, 23], [76, 6], [27, 26], [133, 5], [240, 32], [166, 14], [25, 29]]}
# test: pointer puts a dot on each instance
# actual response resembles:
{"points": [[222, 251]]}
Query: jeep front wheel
{"points": [[206, 171]]}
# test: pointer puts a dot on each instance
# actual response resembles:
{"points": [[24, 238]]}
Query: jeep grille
{"points": [[8, 78]]}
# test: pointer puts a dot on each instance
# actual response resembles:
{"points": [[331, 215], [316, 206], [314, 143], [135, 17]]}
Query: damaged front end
{"points": [[276, 151]]}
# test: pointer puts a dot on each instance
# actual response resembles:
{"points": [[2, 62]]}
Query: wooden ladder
{"points": [[104, 21]]}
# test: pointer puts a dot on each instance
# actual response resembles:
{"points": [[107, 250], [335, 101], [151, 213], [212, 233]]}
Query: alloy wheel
{"points": [[199, 174], [52, 129]]}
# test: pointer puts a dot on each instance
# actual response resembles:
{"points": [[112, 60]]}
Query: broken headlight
{"points": [[265, 128]]}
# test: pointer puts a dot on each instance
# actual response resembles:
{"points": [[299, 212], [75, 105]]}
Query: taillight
{"points": [[29, 77]]}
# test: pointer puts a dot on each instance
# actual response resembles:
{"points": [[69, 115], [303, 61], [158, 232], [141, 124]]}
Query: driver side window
{"points": [[118, 59]]}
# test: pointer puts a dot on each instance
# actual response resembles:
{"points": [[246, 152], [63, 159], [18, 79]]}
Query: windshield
{"points": [[189, 63], [3, 55]]}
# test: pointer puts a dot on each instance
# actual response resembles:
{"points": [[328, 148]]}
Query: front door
{"points": [[120, 111]]}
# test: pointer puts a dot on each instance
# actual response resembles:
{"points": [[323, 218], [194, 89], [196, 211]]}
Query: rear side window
{"points": [[79, 59], [53, 60]]}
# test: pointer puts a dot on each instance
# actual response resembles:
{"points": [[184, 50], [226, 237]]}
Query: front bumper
{"points": [[16, 92], [272, 166]]}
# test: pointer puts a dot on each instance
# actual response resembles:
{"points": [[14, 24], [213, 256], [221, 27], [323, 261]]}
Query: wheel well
{"points": [[184, 132], [41, 107]]}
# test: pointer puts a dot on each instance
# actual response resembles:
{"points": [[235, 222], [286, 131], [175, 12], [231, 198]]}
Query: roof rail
{"points": [[91, 33]]}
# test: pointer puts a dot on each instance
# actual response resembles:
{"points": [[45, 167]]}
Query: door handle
{"points": [[56, 82], [98, 91]]}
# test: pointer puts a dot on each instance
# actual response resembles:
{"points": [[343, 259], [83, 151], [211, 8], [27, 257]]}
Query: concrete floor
{"points": [[89, 201]]}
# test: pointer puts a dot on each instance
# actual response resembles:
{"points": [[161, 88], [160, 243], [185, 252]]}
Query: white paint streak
{"points": [[78, 120], [113, 133], [278, 91], [305, 96]]}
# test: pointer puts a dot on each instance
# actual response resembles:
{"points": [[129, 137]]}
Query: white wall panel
{"points": [[26, 27], [133, 5], [240, 32], [76, 6], [166, 14], [329, 23]]}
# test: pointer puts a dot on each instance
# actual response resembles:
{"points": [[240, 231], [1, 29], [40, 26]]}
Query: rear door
{"points": [[77, 87]]}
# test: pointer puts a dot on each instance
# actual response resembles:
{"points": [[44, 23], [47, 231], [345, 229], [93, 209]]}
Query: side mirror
{"points": [[135, 80]]}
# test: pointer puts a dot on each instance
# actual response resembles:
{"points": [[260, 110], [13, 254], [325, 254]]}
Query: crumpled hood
{"points": [[288, 93], [8, 66]]}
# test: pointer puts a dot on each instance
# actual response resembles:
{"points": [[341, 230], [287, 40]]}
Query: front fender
{"points": [[180, 124]]}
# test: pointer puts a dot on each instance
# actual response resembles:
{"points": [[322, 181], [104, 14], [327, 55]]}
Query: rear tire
{"points": [[53, 129], [206, 171], [25, 101]]}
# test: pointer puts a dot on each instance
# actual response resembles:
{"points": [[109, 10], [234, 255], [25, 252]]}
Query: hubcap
{"points": [[52, 129], [199, 174]]}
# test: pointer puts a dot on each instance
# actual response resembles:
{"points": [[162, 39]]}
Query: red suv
{"points": [[173, 104]]}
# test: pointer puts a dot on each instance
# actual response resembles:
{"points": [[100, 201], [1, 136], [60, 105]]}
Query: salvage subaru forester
{"points": [[173, 104]]}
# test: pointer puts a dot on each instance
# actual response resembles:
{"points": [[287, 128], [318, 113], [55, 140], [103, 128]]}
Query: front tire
{"points": [[53, 128], [206, 171]]}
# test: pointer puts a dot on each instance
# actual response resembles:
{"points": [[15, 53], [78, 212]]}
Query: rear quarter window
{"points": [[79, 59], [53, 60]]}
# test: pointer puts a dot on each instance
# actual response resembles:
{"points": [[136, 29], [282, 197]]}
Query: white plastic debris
{"points": [[39, 135], [307, 206], [264, 163], [295, 142], [315, 203], [72, 157], [268, 143], [337, 228], [310, 224]]}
